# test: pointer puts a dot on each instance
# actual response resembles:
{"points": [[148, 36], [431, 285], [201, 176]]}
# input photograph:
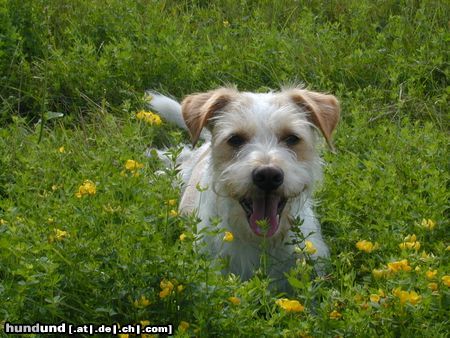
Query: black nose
{"points": [[267, 178]]}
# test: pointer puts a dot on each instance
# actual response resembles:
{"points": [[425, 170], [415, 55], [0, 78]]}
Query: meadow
{"points": [[89, 228]]}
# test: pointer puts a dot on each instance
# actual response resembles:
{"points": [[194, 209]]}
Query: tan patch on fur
{"points": [[197, 109], [303, 149], [324, 110]]}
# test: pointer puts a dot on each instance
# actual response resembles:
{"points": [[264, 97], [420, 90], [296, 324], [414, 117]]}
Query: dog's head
{"points": [[263, 146]]}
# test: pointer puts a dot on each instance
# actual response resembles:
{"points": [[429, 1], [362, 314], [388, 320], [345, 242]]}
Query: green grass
{"points": [[388, 64]]}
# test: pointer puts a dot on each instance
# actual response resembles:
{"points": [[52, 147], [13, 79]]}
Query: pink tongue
{"points": [[265, 207]]}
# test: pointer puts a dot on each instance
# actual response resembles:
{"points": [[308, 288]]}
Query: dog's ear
{"points": [[197, 109], [324, 110]]}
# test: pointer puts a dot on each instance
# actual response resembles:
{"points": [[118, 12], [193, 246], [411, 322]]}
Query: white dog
{"points": [[258, 166]]}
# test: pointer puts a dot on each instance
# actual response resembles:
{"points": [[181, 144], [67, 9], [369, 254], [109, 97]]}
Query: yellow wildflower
{"points": [[166, 288], [414, 298], [234, 300], [374, 298], [132, 165], [182, 237], [290, 305], [141, 302], [379, 273], [123, 335], [183, 326], [428, 224], [180, 288], [404, 296], [447, 248], [226, 23], [60, 234], [164, 293], [62, 150], [149, 117], [173, 213], [431, 274], [2, 221], [310, 248], [410, 242], [172, 202], [228, 237], [335, 315], [402, 265], [366, 246], [87, 188], [433, 286], [446, 280]]}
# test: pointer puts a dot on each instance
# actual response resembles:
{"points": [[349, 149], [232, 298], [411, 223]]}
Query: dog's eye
{"points": [[291, 140], [236, 141]]}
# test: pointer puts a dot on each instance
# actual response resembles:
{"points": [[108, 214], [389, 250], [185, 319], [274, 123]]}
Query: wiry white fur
{"points": [[261, 115]]}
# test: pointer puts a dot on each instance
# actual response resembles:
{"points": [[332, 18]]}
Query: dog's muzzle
{"points": [[264, 208]]}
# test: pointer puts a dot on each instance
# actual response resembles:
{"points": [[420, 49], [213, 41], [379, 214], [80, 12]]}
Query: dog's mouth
{"points": [[264, 213]]}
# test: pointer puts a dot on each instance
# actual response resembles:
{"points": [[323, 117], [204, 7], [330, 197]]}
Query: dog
{"points": [[255, 171]]}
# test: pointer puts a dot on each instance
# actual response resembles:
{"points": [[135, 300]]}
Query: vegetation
{"points": [[89, 231]]}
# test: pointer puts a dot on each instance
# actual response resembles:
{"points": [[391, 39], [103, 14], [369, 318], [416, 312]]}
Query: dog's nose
{"points": [[267, 178]]}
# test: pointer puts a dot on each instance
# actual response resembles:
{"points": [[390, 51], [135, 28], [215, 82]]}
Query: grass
{"points": [[106, 257]]}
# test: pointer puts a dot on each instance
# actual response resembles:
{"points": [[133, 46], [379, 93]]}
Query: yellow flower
{"points": [[431, 274], [180, 288], [404, 296], [366, 246], [149, 117], [61, 150], [428, 224], [410, 242], [166, 288], [173, 213], [183, 326], [166, 284], [446, 280], [379, 273], [123, 335], [164, 293], [132, 165], [87, 188], [310, 248], [226, 23], [145, 323], [433, 286], [182, 237], [172, 202], [234, 300], [374, 298], [335, 314], [2, 221], [402, 265], [290, 305], [141, 302], [228, 237], [414, 298], [60, 234]]}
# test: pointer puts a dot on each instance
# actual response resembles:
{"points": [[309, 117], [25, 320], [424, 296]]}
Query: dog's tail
{"points": [[168, 108]]}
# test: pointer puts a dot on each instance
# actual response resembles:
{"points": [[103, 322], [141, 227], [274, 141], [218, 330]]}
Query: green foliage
{"points": [[108, 256], [74, 52]]}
